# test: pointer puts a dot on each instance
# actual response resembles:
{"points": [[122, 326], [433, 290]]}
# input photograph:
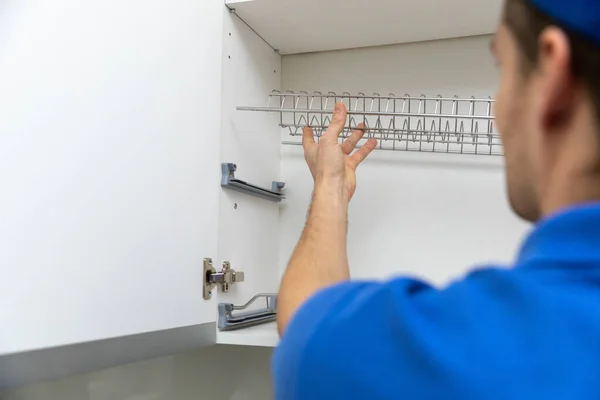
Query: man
{"points": [[530, 332]]}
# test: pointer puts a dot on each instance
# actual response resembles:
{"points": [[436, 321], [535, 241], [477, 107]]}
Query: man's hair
{"points": [[526, 22]]}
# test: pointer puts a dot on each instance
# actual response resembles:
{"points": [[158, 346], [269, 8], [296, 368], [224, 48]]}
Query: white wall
{"points": [[431, 215], [203, 374]]}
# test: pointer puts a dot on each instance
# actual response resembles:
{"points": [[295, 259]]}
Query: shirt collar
{"points": [[571, 235]]}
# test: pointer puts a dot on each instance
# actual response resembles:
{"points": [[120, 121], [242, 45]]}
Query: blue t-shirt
{"points": [[530, 332]]}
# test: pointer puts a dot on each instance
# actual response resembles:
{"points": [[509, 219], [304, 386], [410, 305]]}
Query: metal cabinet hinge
{"points": [[231, 319], [224, 278]]}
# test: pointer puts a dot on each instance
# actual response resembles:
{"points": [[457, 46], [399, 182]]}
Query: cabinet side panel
{"points": [[430, 215], [109, 192], [248, 226]]}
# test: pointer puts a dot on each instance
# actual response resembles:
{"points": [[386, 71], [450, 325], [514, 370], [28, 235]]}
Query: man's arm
{"points": [[320, 258]]}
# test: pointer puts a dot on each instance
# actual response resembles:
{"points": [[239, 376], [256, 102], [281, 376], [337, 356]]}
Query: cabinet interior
{"points": [[431, 216]]}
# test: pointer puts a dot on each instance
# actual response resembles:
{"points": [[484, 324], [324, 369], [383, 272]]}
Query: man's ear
{"points": [[557, 86]]}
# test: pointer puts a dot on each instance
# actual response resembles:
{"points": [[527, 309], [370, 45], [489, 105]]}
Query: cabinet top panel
{"points": [[301, 26]]}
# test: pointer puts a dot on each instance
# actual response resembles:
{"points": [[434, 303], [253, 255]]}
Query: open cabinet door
{"points": [[110, 113]]}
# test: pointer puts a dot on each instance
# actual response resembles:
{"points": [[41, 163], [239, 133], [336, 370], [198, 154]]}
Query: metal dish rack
{"points": [[426, 124]]}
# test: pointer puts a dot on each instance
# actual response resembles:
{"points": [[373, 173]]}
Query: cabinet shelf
{"points": [[426, 124], [301, 26]]}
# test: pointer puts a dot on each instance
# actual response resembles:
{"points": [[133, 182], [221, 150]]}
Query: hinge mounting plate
{"points": [[224, 278]]}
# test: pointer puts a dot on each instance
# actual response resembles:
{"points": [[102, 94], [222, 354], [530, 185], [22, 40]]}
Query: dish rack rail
{"points": [[426, 124]]}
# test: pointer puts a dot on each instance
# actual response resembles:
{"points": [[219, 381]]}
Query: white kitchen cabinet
{"points": [[116, 118]]}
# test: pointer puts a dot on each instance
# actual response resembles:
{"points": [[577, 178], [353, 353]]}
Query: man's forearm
{"points": [[320, 258]]}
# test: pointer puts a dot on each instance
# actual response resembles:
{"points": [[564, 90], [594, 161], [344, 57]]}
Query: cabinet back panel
{"points": [[430, 215]]}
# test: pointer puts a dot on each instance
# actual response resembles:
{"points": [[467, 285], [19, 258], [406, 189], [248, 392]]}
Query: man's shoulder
{"points": [[495, 324]]}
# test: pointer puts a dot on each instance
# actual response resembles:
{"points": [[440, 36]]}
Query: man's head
{"points": [[548, 104]]}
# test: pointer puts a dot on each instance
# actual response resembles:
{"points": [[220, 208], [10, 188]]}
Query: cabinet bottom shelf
{"points": [[261, 335]]}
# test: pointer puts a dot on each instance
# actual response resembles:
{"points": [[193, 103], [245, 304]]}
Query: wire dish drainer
{"points": [[427, 124]]}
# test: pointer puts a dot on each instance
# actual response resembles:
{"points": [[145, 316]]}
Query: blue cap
{"points": [[581, 16]]}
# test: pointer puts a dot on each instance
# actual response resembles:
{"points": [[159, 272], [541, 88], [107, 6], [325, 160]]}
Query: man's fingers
{"points": [[363, 152], [337, 123], [350, 143], [308, 137]]}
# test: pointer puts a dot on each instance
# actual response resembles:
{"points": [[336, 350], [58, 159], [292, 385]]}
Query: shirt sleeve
{"points": [[396, 339]]}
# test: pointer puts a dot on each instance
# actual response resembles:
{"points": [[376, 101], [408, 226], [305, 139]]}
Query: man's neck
{"points": [[571, 190], [571, 166]]}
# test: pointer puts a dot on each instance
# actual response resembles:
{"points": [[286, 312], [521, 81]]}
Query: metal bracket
{"points": [[228, 321], [224, 278], [229, 181]]}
